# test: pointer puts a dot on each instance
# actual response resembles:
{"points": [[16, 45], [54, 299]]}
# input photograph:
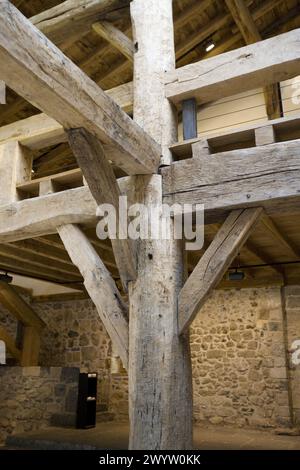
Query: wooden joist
{"points": [[266, 176], [214, 263], [69, 20], [40, 131], [100, 286], [40, 216], [115, 37], [58, 87], [104, 187], [269, 61]]}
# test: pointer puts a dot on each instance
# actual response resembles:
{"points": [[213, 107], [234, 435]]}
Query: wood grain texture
{"points": [[160, 385], [154, 56], [71, 19], [266, 176], [104, 187], [249, 67], [100, 286], [54, 84], [115, 37], [214, 263], [41, 215]]}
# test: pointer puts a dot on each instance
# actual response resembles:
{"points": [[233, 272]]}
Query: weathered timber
{"points": [[153, 57], [266, 176], [214, 263], [30, 347], [41, 215], [257, 65], [71, 19], [15, 164], [115, 37], [41, 131], [54, 84], [100, 286], [160, 386], [104, 187]]}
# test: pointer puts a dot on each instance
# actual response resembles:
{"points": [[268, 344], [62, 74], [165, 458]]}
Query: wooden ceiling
{"points": [[273, 242]]}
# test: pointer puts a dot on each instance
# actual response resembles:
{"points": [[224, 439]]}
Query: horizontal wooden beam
{"points": [[115, 37], [40, 131], [269, 61], [55, 85], [41, 215], [71, 19], [266, 176], [214, 263]]}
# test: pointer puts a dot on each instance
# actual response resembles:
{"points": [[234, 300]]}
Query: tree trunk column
{"points": [[160, 384]]}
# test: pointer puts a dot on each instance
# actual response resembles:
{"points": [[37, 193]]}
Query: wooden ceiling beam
{"points": [[69, 20], [116, 38], [265, 176], [248, 67], [49, 79], [245, 22]]}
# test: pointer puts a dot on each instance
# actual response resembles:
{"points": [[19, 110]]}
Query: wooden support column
{"points": [[15, 168], [160, 385], [30, 347], [153, 38]]}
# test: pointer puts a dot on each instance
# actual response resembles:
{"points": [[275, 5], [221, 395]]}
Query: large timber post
{"points": [[160, 385]]}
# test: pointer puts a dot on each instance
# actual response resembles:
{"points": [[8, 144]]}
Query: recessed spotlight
{"points": [[210, 46]]}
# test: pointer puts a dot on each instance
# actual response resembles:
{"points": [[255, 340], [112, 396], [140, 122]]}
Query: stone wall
{"points": [[238, 341], [239, 364], [239, 361], [76, 337], [29, 396], [292, 312]]}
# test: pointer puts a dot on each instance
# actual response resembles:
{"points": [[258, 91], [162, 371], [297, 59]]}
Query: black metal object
{"points": [[87, 401], [189, 119]]}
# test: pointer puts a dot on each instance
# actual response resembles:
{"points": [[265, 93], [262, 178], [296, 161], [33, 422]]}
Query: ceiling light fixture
{"points": [[210, 45]]}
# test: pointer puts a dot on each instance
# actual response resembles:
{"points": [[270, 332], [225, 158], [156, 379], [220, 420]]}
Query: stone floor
{"points": [[114, 435]]}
